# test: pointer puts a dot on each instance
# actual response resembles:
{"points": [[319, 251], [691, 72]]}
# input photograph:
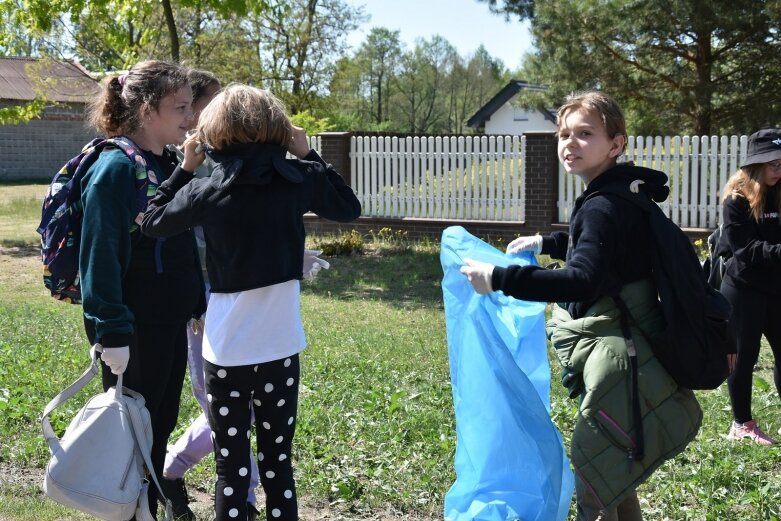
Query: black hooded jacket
{"points": [[251, 210], [608, 245], [755, 246]]}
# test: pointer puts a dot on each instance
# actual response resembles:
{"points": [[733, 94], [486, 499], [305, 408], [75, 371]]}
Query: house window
{"points": [[520, 114]]}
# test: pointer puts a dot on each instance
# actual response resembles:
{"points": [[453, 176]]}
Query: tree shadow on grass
{"points": [[20, 249], [403, 279]]}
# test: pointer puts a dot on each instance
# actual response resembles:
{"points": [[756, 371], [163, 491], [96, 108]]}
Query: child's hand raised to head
{"points": [[194, 154], [298, 146]]}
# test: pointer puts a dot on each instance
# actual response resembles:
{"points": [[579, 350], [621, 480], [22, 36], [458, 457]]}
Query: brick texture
{"points": [[36, 150]]}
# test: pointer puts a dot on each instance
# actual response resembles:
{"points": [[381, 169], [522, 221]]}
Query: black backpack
{"points": [[715, 264], [694, 344]]}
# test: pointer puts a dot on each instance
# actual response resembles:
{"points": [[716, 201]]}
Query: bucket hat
{"points": [[763, 146]]}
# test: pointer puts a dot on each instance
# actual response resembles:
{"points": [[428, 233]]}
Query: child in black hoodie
{"points": [[608, 253], [251, 210]]}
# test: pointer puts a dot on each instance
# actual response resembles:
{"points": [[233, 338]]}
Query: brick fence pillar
{"points": [[335, 149], [542, 185]]}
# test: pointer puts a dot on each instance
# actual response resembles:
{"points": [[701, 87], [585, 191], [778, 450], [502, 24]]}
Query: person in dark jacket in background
{"points": [[752, 282], [251, 210], [608, 253], [139, 292]]}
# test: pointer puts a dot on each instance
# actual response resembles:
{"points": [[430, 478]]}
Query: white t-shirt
{"points": [[254, 326]]}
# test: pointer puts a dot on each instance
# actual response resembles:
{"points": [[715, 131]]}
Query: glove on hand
{"points": [[115, 358], [573, 382], [313, 264], [532, 243], [479, 275]]}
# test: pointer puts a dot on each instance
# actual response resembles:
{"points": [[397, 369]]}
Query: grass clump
{"points": [[342, 244]]}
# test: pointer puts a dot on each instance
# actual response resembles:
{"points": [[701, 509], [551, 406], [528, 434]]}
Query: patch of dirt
{"points": [[27, 481]]}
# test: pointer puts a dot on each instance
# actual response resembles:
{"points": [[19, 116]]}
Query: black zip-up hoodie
{"points": [[251, 210], [608, 245]]}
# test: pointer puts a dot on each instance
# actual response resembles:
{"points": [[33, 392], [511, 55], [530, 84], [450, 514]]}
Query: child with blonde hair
{"points": [[251, 210], [608, 269]]}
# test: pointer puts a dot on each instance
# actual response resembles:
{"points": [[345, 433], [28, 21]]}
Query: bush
{"points": [[343, 244]]}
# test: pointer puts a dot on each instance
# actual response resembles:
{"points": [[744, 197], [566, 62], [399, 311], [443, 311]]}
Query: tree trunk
{"points": [[172, 34]]}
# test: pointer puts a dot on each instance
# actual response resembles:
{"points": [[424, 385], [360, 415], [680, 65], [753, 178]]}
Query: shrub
{"points": [[343, 244]]}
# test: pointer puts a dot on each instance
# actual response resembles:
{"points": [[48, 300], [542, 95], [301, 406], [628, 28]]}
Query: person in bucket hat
{"points": [[752, 282], [764, 146]]}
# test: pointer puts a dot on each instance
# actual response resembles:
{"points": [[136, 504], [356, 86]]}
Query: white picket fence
{"points": [[458, 177], [698, 168], [482, 177]]}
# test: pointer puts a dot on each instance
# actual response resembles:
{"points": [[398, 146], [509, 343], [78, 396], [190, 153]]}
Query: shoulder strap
{"points": [[141, 443], [637, 418], [48, 432], [146, 181]]}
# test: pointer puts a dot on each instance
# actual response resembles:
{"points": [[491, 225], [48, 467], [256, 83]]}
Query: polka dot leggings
{"points": [[271, 389]]}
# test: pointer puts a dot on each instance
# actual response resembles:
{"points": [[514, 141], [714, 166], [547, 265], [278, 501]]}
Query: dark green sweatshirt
{"points": [[127, 277]]}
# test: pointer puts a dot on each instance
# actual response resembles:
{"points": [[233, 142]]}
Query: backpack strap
{"points": [[146, 181], [48, 432], [137, 427], [624, 315]]}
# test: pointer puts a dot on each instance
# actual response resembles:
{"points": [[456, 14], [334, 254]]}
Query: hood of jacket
{"points": [[252, 163], [636, 178]]}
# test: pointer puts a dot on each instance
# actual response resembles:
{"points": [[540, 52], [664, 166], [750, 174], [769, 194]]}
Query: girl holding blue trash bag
{"points": [[608, 254]]}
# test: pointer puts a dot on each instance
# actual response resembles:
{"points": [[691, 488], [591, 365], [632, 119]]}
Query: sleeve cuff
{"points": [[497, 276], [116, 340], [179, 178]]}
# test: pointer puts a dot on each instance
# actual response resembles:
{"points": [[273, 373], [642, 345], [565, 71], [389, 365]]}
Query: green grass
{"points": [[376, 426]]}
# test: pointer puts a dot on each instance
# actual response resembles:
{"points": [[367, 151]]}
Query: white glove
{"points": [[479, 275], [115, 357], [313, 264], [532, 243]]}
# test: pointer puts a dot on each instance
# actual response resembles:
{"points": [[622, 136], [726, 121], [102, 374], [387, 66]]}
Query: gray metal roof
{"points": [[25, 79]]}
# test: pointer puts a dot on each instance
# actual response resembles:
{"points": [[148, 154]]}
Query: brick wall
{"points": [[335, 149], [37, 149]]}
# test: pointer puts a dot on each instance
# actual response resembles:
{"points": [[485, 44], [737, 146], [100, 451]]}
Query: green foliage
{"points": [[428, 89], [22, 113], [310, 123], [343, 244], [676, 66]]}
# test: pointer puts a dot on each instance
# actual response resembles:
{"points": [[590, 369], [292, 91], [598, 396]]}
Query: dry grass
{"points": [[20, 213]]}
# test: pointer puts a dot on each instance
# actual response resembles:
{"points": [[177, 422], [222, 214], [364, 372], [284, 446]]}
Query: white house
{"points": [[501, 116]]}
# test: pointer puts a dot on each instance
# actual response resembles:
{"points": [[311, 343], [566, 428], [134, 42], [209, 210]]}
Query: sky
{"points": [[464, 23]]}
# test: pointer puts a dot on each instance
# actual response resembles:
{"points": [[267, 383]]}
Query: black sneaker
{"points": [[252, 512], [176, 493]]}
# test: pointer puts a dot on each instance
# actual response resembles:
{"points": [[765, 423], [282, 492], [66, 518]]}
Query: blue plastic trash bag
{"points": [[510, 460]]}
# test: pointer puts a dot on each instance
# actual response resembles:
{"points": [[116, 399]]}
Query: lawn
{"points": [[376, 434]]}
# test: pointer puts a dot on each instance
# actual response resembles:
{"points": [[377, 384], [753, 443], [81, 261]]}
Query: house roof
{"points": [[502, 97], [25, 79]]}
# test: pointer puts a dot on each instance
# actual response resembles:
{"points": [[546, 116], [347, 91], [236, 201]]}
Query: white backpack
{"points": [[98, 465]]}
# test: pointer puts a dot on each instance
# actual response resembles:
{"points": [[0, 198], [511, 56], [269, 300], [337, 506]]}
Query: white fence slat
{"points": [[522, 178], [469, 177], [459, 176]]}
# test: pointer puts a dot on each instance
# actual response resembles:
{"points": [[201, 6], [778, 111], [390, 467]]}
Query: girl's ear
{"points": [[144, 112], [619, 141]]}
